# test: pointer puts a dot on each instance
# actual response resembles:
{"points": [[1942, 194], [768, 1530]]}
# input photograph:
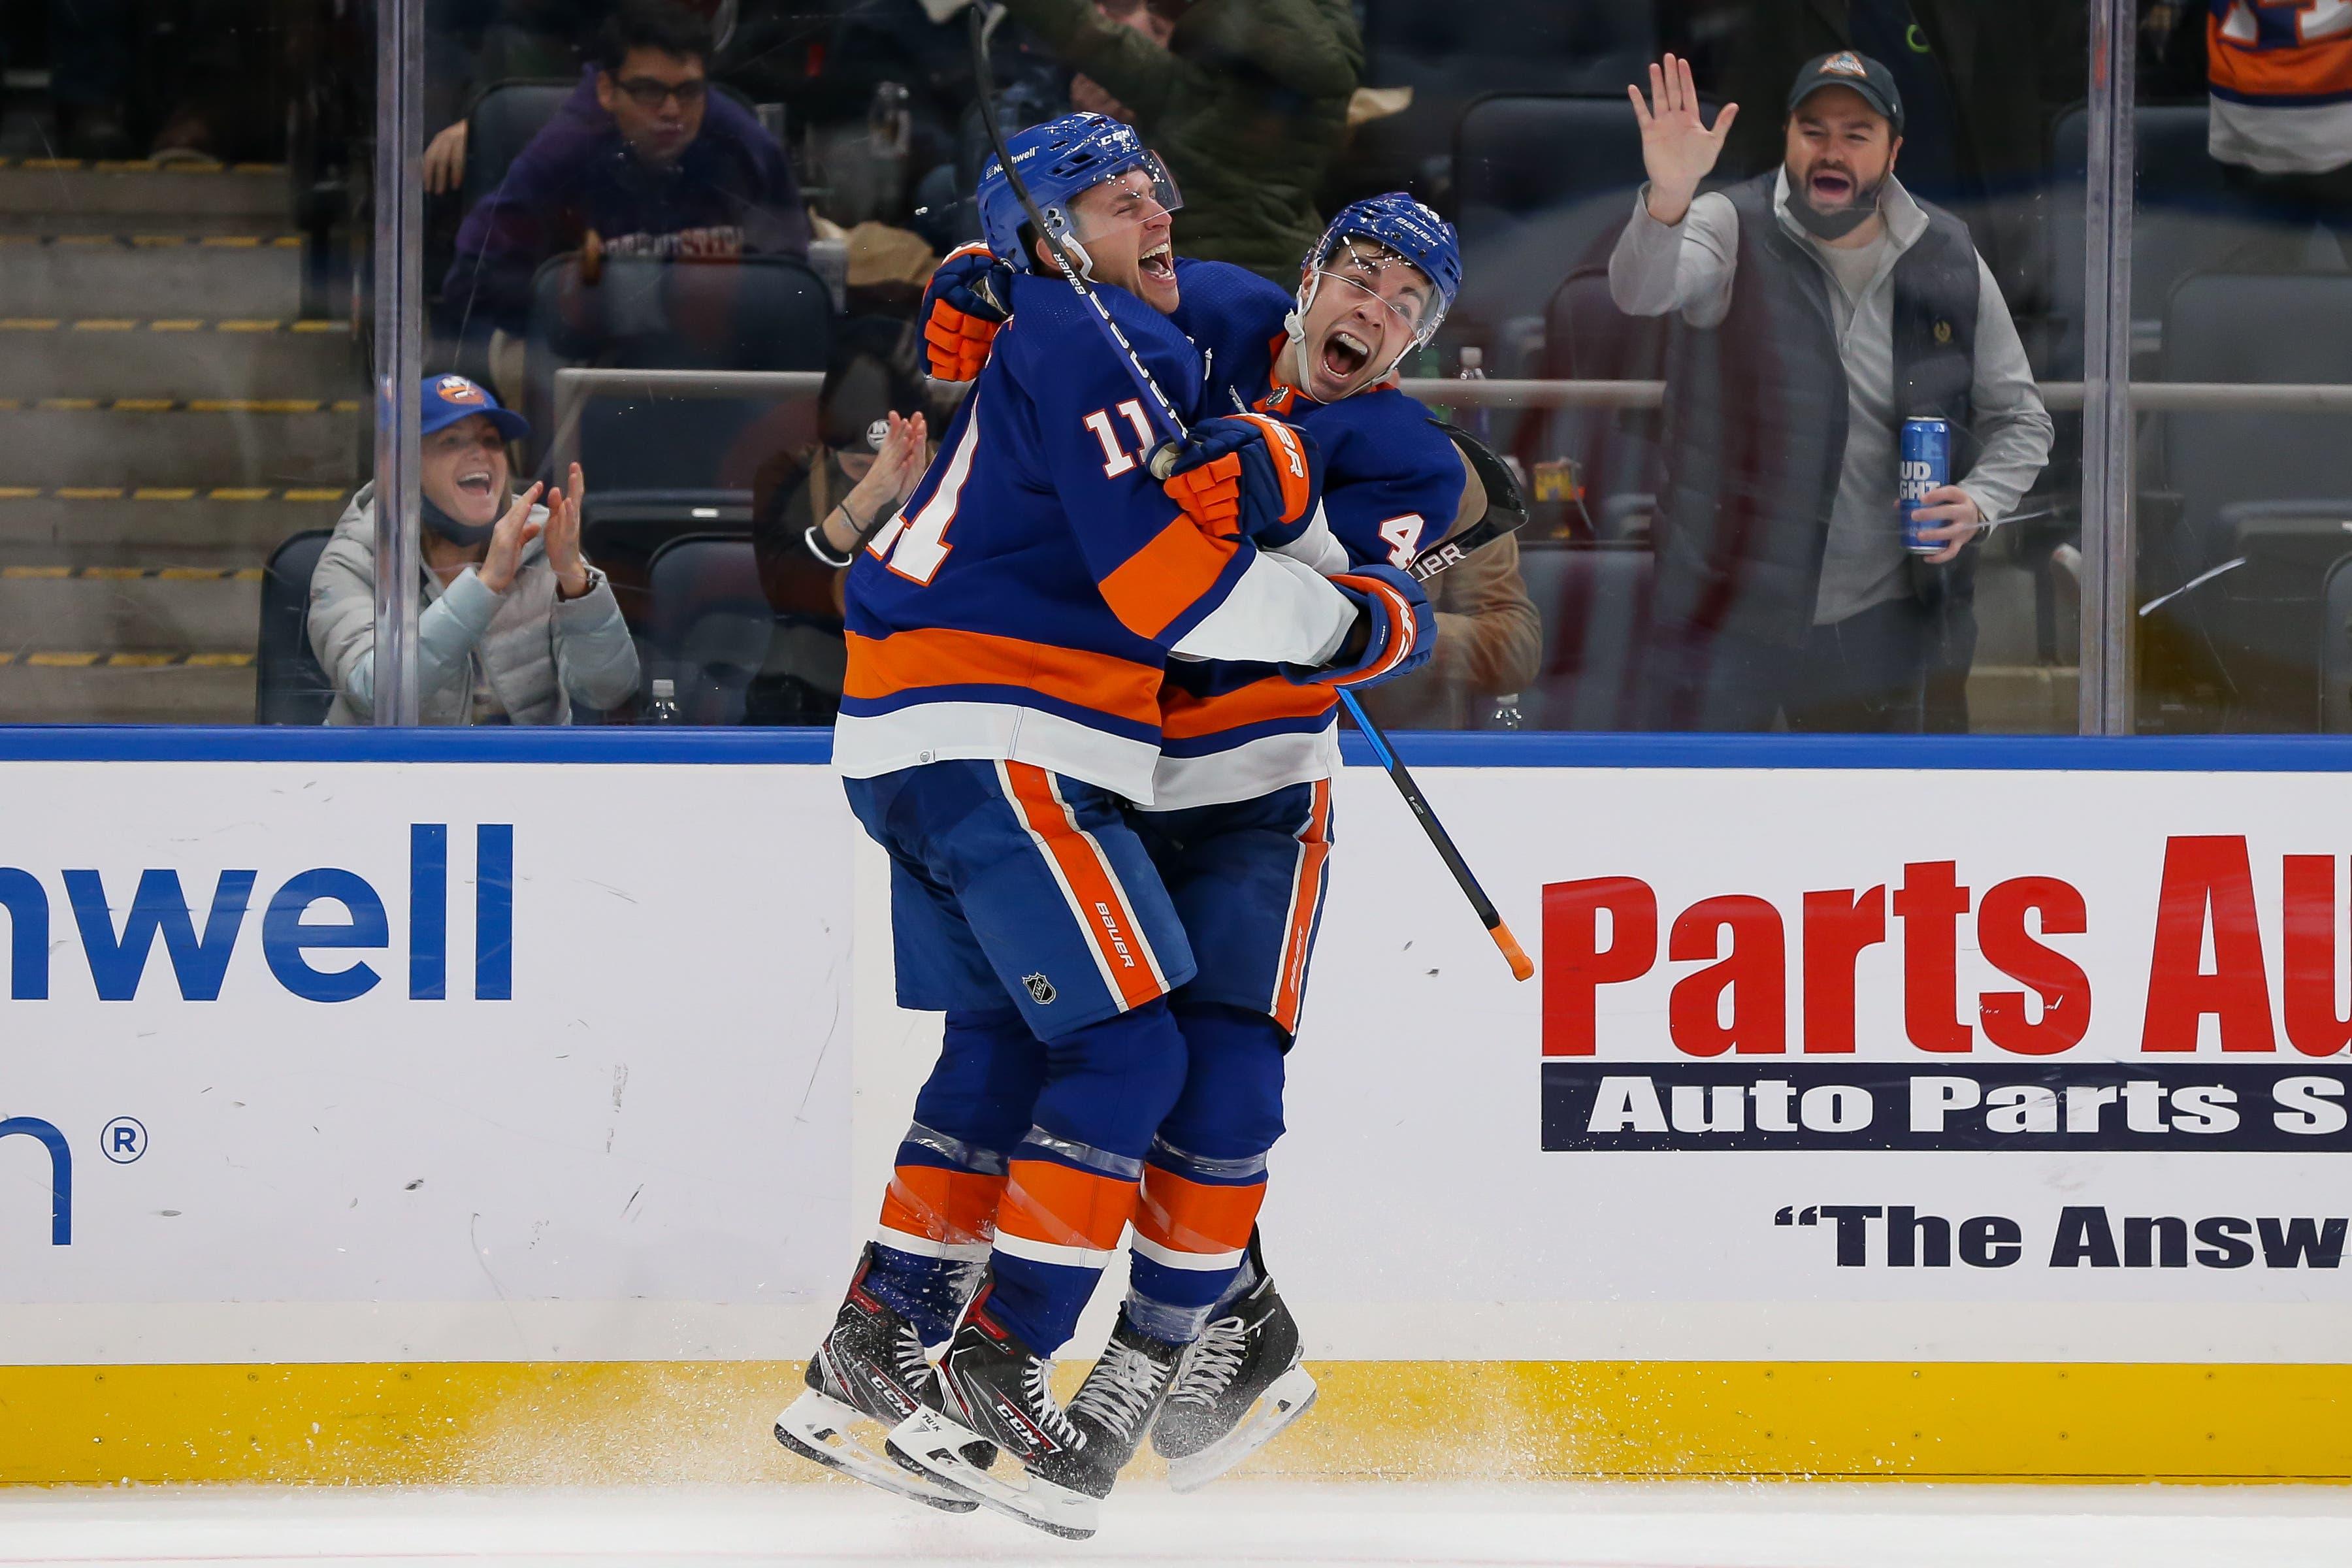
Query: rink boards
{"points": [[505, 1107]]}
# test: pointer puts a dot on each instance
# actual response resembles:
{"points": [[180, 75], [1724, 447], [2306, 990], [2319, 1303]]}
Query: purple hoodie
{"points": [[731, 192]]}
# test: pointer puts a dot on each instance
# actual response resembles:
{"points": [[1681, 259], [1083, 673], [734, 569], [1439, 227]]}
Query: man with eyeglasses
{"points": [[648, 156]]}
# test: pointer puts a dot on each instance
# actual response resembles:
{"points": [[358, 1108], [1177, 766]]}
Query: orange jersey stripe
{"points": [[1306, 898], [1194, 1216], [1166, 578], [1099, 903], [2313, 70], [1183, 716], [1064, 1207], [933, 656], [953, 1207]]}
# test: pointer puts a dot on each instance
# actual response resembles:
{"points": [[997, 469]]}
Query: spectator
{"points": [[1816, 307], [1137, 16], [1981, 82], [812, 509], [1489, 637], [643, 155], [2282, 121], [1246, 102], [517, 626]]}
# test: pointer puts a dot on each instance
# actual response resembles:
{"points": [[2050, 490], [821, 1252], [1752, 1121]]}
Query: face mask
{"points": [[1839, 224], [468, 534]]}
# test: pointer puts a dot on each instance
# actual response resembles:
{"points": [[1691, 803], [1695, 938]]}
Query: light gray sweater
{"points": [[1688, 267], [537, 654]]}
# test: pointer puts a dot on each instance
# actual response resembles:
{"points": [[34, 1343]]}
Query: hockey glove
{"points": [[964, 305], [1398, 628], [1246, 476]]}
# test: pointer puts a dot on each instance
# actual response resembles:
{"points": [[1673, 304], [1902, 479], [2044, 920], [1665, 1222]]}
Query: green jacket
{"points": [[1248, 105]]}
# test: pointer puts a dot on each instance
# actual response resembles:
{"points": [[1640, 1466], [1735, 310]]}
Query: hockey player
{"points": [[1239, 824], [1008, 630]]}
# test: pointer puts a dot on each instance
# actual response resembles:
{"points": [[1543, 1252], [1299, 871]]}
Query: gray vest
{"points": [[1756, 418]]}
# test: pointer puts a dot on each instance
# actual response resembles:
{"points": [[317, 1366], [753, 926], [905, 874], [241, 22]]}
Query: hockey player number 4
{"points": [[1403, 536]]}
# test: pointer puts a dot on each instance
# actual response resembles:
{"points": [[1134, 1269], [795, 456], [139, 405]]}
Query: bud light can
{"points": [[1925, 462]]}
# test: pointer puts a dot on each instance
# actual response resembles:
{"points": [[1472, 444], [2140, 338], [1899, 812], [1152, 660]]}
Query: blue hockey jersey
{"points": [[1392, 483], [1024, 603]]}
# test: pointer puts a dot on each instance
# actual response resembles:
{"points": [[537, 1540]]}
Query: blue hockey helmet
{"points": [[1400, 223], [1058, 161]]}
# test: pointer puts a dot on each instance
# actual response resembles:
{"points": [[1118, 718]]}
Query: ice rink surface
{"points": [[1637, 1525]]}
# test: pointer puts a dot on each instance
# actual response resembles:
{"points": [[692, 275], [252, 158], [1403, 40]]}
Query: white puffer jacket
{"points": [[539, 655]]}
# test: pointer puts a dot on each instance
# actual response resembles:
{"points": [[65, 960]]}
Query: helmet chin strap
{"points": [[1077, 252]]}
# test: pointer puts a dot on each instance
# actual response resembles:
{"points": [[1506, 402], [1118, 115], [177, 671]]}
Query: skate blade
{"points": [[936, 1441], [1286, 1399], [818, 1426]]}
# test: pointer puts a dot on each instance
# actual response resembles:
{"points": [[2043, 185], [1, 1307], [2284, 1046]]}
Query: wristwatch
{"points": [[595, 581]]}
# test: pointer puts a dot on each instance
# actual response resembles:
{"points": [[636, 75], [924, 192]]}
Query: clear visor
{"points": [[1131, 197], [1363, 269]]}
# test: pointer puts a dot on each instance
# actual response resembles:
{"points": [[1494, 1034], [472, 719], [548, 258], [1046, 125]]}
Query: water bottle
{"points": [[1424, 368], [1481, 418], [662, 710], [1506, 714]]}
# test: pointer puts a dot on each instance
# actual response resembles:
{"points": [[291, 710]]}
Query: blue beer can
{"points": [[1925, 462]]}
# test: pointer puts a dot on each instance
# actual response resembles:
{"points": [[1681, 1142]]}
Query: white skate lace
{"points": [[1049, 1415], [1121, 1388], [907, 1351], [1209, 1366]]}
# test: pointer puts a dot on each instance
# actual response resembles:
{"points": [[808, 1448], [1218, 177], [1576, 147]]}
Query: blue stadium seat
{"points": [[756, 313], [706, 625], [1595, 604], [289, 687]]}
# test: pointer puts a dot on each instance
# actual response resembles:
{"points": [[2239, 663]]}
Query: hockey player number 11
{"points": [[1115, 461]]}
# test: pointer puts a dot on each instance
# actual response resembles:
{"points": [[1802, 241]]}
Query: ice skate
{"points": [[995, 1391], [869, 1367], [1113, 1408], [1240, 1383]]}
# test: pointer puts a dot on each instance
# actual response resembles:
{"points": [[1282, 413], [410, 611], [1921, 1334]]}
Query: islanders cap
{"points": [[1856, 72], [446, 399]]}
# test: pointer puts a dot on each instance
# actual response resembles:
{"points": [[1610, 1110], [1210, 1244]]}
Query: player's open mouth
{"points": [[1830, 187], [1158, 264], [1345, 354]]}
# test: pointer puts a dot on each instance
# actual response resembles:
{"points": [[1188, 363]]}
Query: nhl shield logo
{"points": [[1041, 989]]}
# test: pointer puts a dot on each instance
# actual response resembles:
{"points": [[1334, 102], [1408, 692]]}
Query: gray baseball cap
{"points": [[1857, 73]]}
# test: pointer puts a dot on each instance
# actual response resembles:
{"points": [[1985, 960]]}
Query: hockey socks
{"points": [[1191, 1235], [1205, 1173], [1072, 1183]]}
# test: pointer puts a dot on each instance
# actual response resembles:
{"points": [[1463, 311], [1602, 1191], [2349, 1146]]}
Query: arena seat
{"points": [[706, 625], [2265, 488], [500, 125], [1543, 183], [290, 686], [1588, 338], [2185, 221], [622, 532], [1595, 604], [756, 313], [2336, 651]]}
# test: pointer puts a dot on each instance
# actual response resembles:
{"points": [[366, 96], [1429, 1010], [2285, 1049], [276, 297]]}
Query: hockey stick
{"points": [[1162, 463]]}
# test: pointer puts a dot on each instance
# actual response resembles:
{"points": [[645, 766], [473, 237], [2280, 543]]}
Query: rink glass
{"points": [[194, 352]]}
